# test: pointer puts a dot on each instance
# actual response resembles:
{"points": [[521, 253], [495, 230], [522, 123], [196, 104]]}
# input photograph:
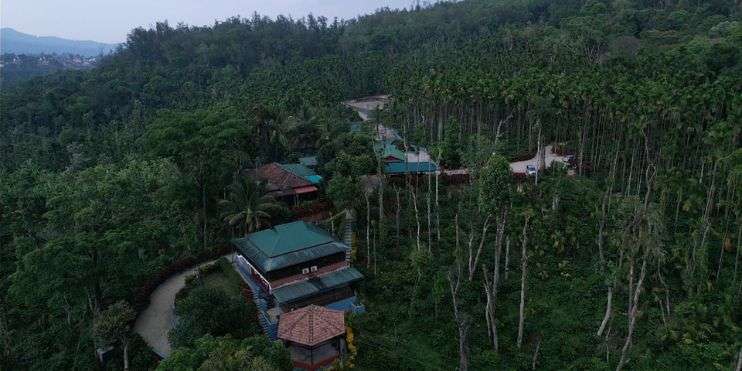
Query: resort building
{"points": [[294, 265]]}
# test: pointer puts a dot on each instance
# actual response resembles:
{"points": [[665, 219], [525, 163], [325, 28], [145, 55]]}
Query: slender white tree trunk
{"points": [[474, 259], [608, 309], [417, 217], [524, 272], [632, 315], [462, 321], [126, 355], [535, 354], [368, 230]]}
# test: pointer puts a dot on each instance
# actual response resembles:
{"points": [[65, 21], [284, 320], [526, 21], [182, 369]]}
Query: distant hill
{"points": [[12, 41]]}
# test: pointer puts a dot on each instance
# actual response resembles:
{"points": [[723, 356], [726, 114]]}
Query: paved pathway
{"points": [[364, 106], [156, 321], [550, 157]]}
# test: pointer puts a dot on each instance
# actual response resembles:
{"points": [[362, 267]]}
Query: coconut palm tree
{"points": [[248, 207]]}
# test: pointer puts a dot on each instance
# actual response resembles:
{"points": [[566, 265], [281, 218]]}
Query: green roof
{"points": [[309, 161], [388, 149], [287, 244], [303, 171], [410, 167], [317, 285]]}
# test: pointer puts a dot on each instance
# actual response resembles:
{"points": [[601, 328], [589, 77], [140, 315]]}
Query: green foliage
{"points": [[343, 191], [494, 184], [112, 325], [248, 207], [212, 310], [210, 353]]}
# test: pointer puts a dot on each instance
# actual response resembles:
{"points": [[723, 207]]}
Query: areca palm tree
{"points": [[248, 207]]}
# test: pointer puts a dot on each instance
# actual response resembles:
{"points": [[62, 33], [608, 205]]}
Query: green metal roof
{"points": [[410, 167], [316, 285], [268, 264], [289, 237], [388, 149], [287, 244], [303, 171], [309, 161]]}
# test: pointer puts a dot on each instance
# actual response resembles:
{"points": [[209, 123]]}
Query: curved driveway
{"points": [[156, 321]]}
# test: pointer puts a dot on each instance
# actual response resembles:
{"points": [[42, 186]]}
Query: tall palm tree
{"points": [[248, 206]]}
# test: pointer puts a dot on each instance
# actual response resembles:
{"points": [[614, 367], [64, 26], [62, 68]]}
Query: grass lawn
{"points": [[224, 277]]}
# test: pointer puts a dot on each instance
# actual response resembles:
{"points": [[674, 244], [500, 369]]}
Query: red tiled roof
{"points": [[279, 179], [302, 190], [311, 325]]}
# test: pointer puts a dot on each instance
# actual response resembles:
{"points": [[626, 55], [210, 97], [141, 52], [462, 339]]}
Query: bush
{"points": [[206, 310], [209, 353]]}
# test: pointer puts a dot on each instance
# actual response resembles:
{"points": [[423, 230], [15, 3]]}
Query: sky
{"points": [[111, 20]]}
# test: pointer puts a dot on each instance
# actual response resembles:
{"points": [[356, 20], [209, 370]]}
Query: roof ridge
{"points": [[310, 313], [329, 323]]}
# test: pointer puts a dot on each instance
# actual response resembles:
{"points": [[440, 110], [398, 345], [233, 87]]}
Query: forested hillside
{"points": [[111, 176], [19, 67]]}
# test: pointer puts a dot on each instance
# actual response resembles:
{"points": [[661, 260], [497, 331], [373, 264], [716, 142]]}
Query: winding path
{"points": [[156, 321]]}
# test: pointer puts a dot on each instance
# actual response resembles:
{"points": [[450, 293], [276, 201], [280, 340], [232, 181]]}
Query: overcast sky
{"points": [[111, 20]]}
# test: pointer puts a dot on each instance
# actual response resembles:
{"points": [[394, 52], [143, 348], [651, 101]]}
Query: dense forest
{"points": [[15, 68], [111, 176]]}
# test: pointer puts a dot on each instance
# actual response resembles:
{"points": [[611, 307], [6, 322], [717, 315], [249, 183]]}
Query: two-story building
{"points": [[294, 265]]}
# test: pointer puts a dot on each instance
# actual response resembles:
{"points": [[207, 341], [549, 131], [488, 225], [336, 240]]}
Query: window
{"points": [[304, 270], [314, 268]]}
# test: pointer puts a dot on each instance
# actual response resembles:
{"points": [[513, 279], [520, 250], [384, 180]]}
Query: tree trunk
{"points": [[489, 309], [202, 183], [430, 227], [535, 354], [126, 354], [474, 259], [417, 217], [604, 208], [507, 259], [461, 319], [736, 260], [381, 200], [539, 164], [608, 309], [397, 215], [633, 304], [368, 230], [721, 258], [524, 271], [437, 206]]}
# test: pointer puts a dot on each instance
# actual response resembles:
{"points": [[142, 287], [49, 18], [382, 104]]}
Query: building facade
{"points": [[294, 265]]}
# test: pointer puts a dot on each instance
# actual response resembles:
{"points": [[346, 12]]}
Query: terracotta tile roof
{"points": [[279, 179], [311, 325]]}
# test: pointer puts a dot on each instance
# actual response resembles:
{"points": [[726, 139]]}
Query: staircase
{"points": [[270, 328], [348, 233]]}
